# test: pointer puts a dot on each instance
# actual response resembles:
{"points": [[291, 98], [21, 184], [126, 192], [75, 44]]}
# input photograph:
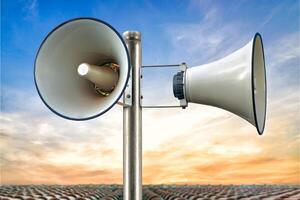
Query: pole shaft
{"points": [[132, 123]]}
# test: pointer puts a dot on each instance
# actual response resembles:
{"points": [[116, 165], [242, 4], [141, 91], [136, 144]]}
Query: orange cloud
{"points": [[51, 174], [207, 146]]}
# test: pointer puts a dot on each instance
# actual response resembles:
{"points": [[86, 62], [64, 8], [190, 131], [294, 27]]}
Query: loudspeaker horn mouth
{"points": [[259, 83], [59, 82]]}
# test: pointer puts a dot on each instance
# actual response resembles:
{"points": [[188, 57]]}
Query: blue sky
{"points": [[24, 24], [195, 32]]}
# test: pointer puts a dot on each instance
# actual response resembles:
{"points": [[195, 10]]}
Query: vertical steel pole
{"points": [[132, 123]]}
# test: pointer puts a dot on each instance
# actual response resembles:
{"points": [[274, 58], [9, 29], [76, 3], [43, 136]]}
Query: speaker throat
{"points": [[99, 90]]}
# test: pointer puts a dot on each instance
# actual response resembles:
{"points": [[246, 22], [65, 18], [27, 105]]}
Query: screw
{"points": [[128, 96], [142, 97]]}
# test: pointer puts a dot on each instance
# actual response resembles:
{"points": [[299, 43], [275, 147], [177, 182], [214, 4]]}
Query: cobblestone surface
{"points": [[156, 192]]}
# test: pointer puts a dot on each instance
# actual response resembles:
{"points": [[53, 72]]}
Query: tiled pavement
{"points": [[157, 192]]}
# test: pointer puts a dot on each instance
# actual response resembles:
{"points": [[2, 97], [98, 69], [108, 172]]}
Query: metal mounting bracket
{"points": [[127, 97], [183, 102]]}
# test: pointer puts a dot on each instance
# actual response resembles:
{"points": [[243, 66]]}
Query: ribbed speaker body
{"points": [[236, 83], [83, 40]]}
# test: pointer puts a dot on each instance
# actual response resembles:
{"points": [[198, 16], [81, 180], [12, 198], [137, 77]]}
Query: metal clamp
{"points": [[127, 97], [183, 102]]}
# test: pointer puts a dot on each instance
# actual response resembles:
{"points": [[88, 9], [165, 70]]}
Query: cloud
{"points": [[30, 9], [208, 39], [232, 158], [207, 149], [286, 49], [45, 173], [282, 65], [32, 140], [200, 144]]}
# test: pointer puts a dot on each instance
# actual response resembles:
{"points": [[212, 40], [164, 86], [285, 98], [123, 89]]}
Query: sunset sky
{"points": [[198, 145]]}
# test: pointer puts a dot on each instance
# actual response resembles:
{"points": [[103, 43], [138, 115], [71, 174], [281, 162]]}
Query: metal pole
{"points": [[132, 123]]}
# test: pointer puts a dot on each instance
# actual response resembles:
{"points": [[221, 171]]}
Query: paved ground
{"points": [[159, 192]]}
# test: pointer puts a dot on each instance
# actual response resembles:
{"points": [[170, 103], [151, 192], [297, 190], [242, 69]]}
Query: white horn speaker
{"points": [[82, 68], [236, 83]]}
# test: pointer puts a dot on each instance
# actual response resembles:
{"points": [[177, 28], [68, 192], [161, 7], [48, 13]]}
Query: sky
{"points": [[198, 145]]}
